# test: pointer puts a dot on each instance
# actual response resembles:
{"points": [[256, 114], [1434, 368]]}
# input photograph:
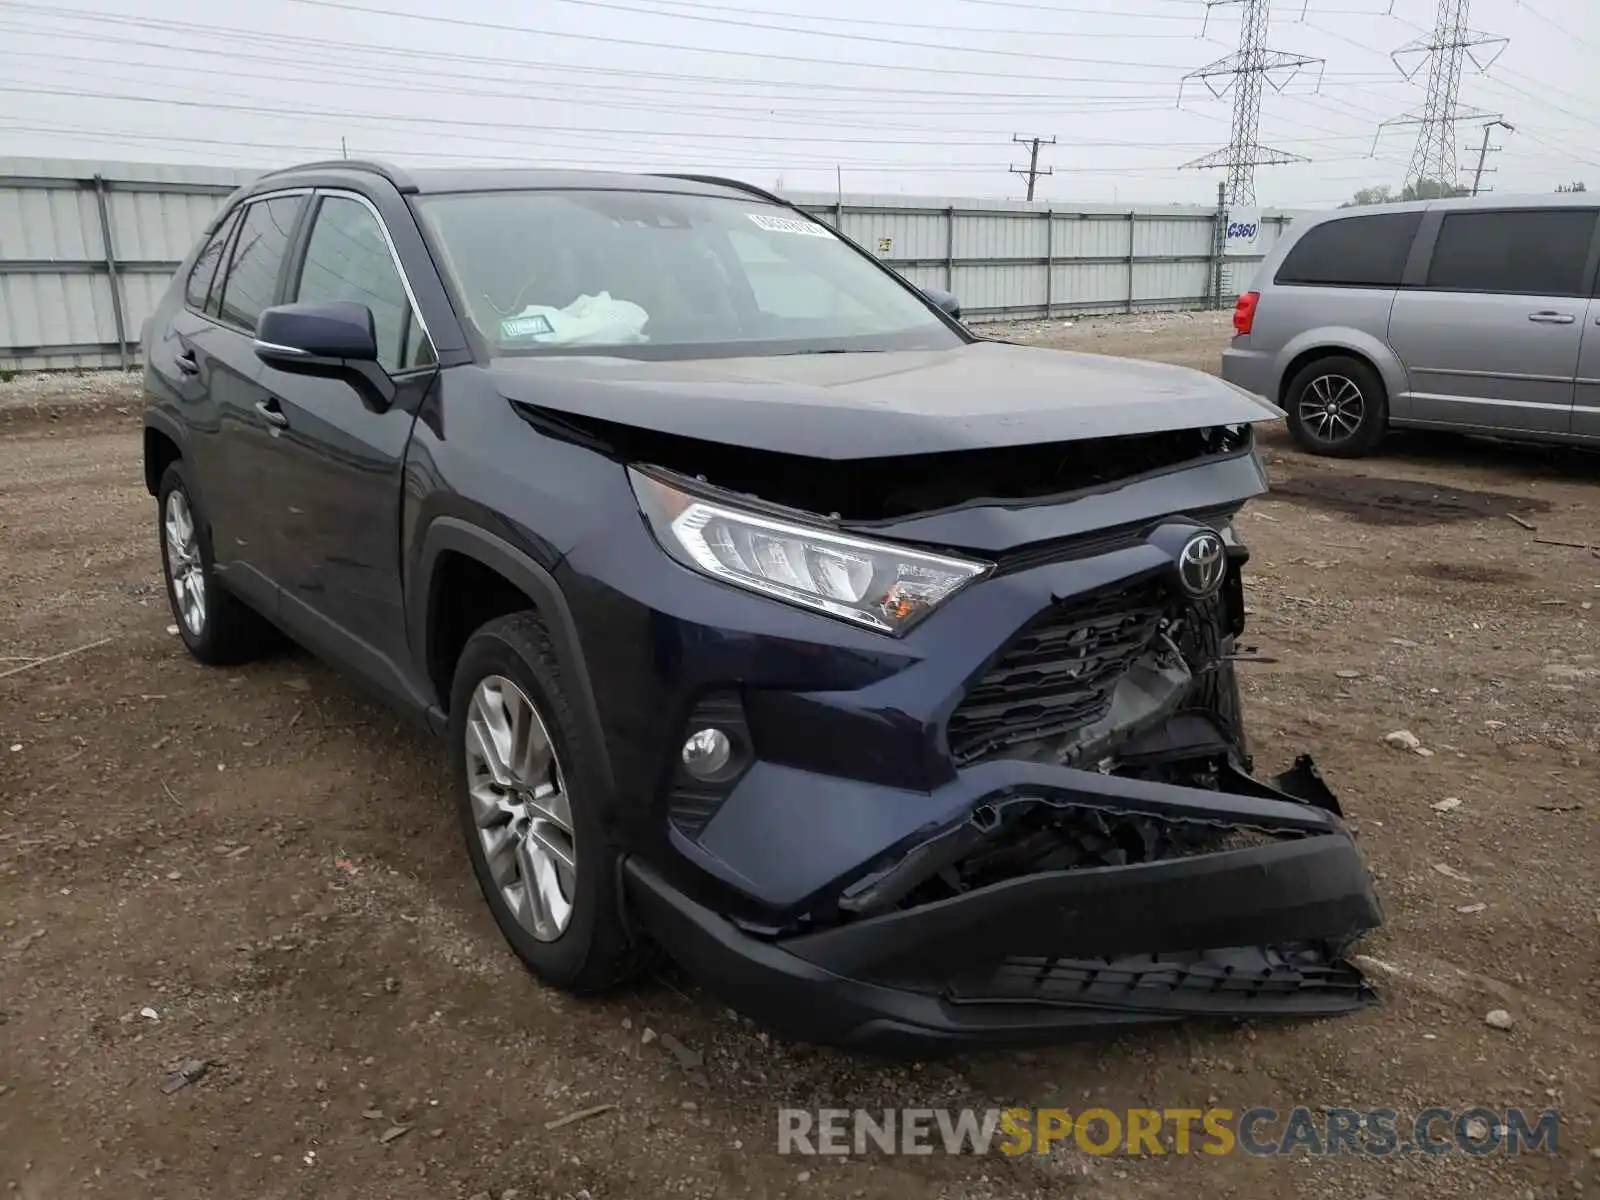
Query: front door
{"points": [[1491, 340], [342, 454]]}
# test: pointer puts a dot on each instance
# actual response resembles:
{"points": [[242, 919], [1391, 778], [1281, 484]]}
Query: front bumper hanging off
{"points": [[1248, 919]]}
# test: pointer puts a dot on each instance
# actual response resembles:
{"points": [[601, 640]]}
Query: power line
{"points": [[1033, 170], [1246, 69], [945, 27], [612, 39], [189, 29], [1443, 52]]}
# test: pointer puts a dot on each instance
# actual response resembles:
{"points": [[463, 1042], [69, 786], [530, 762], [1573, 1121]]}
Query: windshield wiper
{"points": [[831, 350]]}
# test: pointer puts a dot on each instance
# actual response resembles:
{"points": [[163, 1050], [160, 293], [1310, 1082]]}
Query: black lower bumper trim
{"points": [[952, 998], [1236, 982]]}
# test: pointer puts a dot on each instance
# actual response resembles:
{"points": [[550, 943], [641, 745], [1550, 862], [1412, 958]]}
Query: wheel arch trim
{"points": [[1330, 342], [452, 534], [156, 421]]}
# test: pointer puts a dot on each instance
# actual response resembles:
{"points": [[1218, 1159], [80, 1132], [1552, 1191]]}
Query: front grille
{"points": [[1059, 673], [1104, 541], [1217, 982]]}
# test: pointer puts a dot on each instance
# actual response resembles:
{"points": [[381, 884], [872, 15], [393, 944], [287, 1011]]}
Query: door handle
{"points": [[272, 414], [186, 363], [1547, 317]]}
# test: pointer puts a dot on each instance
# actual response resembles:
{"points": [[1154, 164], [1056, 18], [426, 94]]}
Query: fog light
{"points": [[707, 752]]}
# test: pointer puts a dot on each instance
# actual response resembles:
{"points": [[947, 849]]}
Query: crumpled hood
{"points": [[868, 405]]}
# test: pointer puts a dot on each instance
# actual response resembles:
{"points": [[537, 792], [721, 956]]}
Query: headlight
{"points": [[877, 584]]}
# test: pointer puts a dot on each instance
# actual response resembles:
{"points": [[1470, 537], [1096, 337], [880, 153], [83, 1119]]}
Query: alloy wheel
{"points": [[520, 807], [1332, 408], [185, 572]]}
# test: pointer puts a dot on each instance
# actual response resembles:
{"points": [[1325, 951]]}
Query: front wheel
{"points": [[1338, 408], [527, 793]]}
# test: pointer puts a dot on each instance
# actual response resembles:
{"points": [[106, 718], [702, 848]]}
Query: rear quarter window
{"points": [[1368, 251]]}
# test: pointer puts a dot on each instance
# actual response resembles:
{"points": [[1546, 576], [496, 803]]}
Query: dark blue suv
{"points": [[879, 673]]}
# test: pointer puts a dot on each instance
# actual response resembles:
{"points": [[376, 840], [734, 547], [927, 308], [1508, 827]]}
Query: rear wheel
{"points": [[217, 627], [1338, 407]]}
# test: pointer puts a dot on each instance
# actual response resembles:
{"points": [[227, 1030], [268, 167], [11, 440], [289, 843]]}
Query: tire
{"points": [[1338, 407], [223, 630], [591, 948]]}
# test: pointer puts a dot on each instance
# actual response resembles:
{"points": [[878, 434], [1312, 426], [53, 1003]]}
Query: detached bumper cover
{"points": [[1248, 931]]}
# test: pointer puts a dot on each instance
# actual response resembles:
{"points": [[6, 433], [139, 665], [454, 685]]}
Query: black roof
{"points": [[433, 180]]}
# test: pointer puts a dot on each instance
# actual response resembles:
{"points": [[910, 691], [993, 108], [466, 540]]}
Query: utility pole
{"points": [[344, 150], [1433, 161], [1033, 170], [1244, 71], [1483, 150]]}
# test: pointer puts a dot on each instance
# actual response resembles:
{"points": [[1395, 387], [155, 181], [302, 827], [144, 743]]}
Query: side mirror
{"points": [[945, 301], [316, 337]]}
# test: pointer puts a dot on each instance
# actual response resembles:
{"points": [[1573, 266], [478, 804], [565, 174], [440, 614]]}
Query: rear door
{"points": [[252, 505], [1490, 339], [182, 340]]}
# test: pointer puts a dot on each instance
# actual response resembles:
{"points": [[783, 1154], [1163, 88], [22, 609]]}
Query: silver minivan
{"points": [[1478, 315]]}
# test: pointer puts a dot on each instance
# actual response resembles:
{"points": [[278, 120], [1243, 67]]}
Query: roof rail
{"points": [[393, 174], [737, 184]]}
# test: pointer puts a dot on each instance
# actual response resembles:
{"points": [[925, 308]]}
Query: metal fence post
{"points": [[1219, 244], [1133, 220], [1049, 262], [950, 249], [111, 270]]}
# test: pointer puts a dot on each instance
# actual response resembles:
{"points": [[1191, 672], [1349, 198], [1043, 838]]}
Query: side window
{"points": [[205, 264], [347, 258], [786, 288], [1352, 252], [1527, 252], [257, 258]]}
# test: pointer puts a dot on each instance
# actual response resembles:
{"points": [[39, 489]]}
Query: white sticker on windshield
{"points": [[790, 225], [520, 327]]}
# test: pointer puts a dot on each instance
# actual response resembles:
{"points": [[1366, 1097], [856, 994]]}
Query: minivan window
{"points": [[205, 263], [1527, 252], [258, 252], [667, 275], [347, 258], [1369, 251]]}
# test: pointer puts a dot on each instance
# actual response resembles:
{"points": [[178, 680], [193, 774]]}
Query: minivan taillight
{"points": [[1244, 313]]}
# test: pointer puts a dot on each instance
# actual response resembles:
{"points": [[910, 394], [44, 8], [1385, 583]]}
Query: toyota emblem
{"points": [[1202, 563]]}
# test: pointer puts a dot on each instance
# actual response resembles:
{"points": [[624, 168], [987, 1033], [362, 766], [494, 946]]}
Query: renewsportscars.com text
{"points": [[1259, 1132]]}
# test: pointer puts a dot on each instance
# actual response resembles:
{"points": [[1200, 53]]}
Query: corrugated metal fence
{"points": [[86, 250], [1009, 260]]}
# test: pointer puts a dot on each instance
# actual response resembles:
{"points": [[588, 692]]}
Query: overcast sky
{"points": [[920, 97]]}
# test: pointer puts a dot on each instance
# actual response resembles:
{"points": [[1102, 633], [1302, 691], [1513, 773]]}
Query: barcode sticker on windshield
{"points": [[790, 225], [520, 327]]}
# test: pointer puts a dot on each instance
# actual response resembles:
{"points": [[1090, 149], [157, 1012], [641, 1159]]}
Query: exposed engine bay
{"points": [[884, 489]]}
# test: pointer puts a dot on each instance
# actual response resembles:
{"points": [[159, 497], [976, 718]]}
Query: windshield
{"points": [[664, 275]]}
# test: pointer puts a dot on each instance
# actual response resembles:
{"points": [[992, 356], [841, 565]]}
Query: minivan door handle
{"points": [[272, 414], [1546, 317], [187, 363]]}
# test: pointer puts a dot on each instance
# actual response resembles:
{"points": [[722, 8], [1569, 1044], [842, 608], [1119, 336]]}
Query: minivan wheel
{"points": [[217, 627], [1338, 408], [527, 795]]}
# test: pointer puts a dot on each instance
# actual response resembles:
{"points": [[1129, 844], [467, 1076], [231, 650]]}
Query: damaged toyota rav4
{"points": [[881, 674]]}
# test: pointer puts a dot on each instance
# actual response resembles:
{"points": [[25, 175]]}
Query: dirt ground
{"points": [[259, 871]]}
